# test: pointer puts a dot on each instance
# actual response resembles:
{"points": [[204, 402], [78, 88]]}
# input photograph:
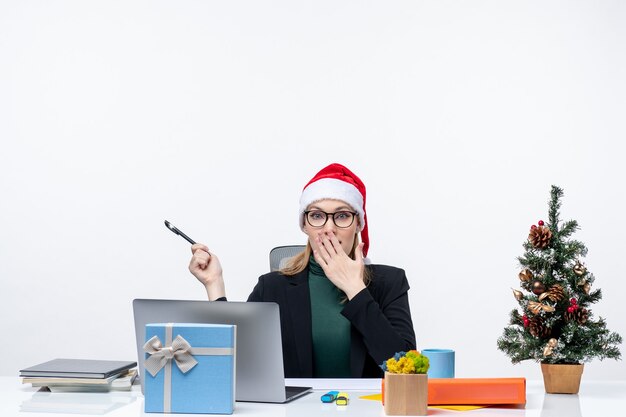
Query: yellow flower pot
{"points": [[406, 394], [561, 379]]}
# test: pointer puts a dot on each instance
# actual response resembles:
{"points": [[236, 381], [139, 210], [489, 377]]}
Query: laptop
{"points": [[259, 368]]}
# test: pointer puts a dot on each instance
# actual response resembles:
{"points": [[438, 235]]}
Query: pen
{"points": [[178, 232], [342, 399], [329, 397]]}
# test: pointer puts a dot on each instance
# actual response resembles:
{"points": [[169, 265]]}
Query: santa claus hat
{"points": [[338, 183]]}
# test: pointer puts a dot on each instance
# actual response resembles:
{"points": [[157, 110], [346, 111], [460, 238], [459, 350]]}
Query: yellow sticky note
{"points": [[375, 397], [379, 397]]}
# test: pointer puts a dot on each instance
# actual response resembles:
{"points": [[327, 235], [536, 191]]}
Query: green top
{"points": [[331, 330]]}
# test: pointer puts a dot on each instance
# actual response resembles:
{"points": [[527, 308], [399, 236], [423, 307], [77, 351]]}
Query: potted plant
{"points": [[554, 324], [405, 387]]}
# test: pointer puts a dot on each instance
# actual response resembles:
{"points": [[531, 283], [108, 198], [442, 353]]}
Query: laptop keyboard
{"points": [[295, 391]]}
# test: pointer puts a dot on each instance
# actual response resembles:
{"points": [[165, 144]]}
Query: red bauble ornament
{"points": [[540, 223], [573, 301], [570, 309]]}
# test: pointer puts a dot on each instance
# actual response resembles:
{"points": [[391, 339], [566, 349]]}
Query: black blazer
{"points": [[380, 318]]}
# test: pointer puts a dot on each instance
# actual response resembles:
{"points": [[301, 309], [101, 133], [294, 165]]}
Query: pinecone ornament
{"points": [[579, 315], [537, 328], [554, 293], [540, 236]]}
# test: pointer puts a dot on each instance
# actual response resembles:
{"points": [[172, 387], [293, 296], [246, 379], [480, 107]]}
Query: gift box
{"points": [[189, 368], [477, 391], [474, 391]]}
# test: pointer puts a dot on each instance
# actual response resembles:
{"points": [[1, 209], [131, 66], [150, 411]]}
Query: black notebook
{"points": [[77, 368]]}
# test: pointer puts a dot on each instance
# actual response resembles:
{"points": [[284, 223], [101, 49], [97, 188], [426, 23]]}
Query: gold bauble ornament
{"points": [[517, 294], [547, 351], [585, 284], [579, 269]]}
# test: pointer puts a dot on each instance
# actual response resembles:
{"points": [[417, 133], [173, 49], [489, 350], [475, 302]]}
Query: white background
{"points": [[458, 116]]}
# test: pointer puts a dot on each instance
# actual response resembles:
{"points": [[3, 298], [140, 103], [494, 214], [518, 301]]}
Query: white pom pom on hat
{"points": [[338, 183]]}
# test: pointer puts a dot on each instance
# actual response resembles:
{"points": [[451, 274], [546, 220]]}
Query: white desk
{"points": [[595, 399]]}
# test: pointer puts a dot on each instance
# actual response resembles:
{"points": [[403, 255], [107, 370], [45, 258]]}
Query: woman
{"points": [[339, 316]]}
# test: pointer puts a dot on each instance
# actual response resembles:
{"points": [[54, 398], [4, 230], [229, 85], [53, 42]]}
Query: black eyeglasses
{"points": [[318, 218]]}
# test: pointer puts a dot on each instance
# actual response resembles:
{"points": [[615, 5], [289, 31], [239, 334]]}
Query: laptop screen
{"points": [[259, 355]]}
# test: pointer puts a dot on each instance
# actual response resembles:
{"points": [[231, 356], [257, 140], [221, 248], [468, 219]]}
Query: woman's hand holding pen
{"points": [[206, 267], [344, 272]]}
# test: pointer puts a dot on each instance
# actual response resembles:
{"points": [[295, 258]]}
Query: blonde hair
{"points": [[299, 262]]}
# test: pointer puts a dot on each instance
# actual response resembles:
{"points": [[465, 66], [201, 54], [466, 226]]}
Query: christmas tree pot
{"points": [[561, 378], [405, 394]]}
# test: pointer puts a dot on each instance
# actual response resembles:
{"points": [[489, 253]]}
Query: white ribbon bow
{"points": [[180, 351]]}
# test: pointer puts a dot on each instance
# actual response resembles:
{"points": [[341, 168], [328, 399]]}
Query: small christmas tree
{"points": [[555, 324]]}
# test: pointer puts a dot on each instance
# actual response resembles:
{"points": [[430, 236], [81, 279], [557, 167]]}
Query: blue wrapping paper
{"points": [[208, 387]]}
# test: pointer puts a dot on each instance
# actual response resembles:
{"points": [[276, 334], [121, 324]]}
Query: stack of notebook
{"points": [[79, 375]]}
